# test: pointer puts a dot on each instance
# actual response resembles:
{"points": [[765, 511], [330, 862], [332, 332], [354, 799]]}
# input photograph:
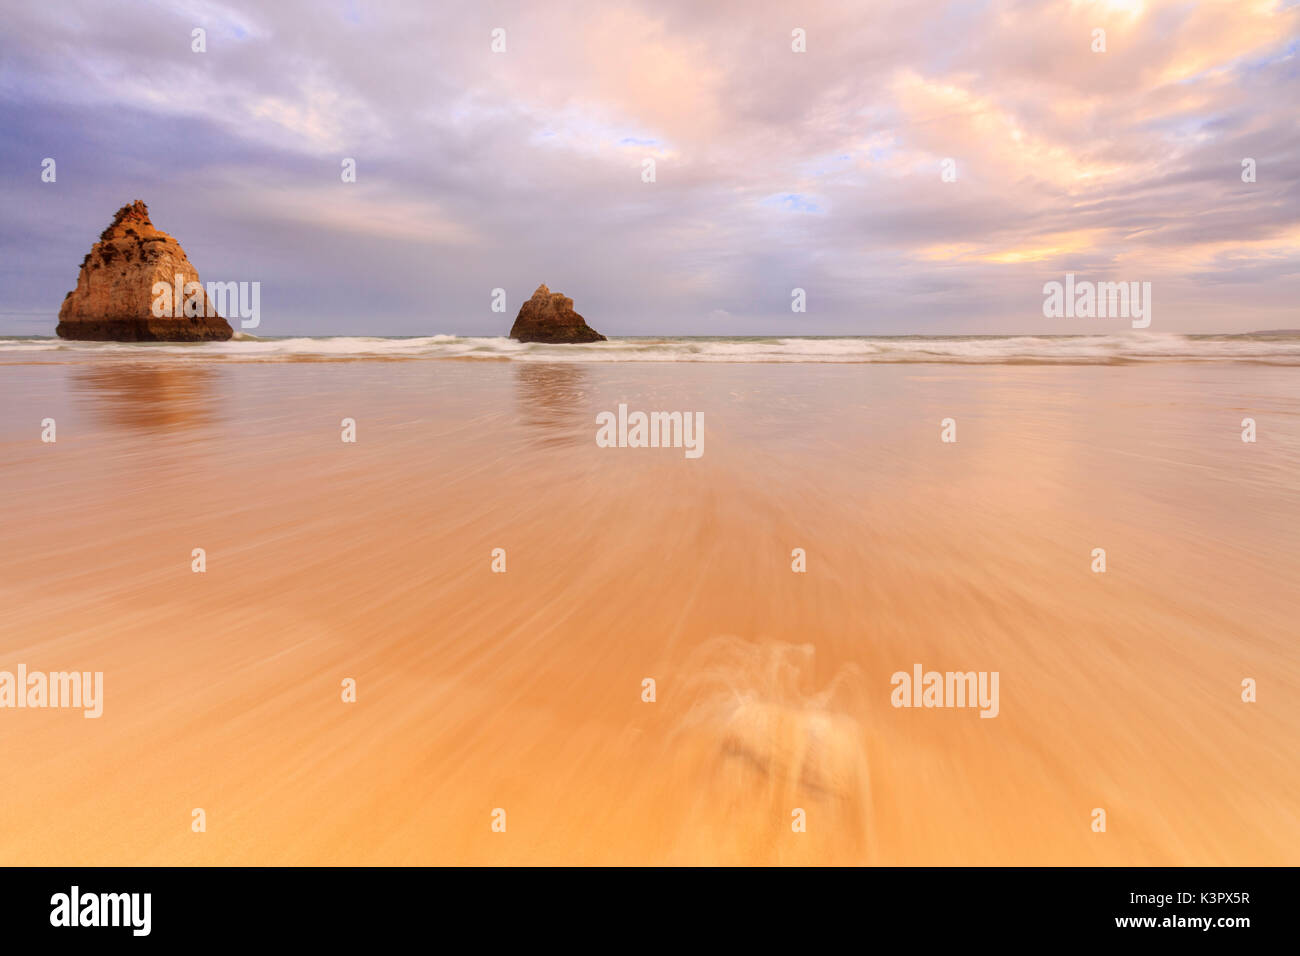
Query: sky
{"points": [[774, 170]]}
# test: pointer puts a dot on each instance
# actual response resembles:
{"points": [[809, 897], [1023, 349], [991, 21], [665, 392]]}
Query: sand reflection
{"points": [[149, 396], [554, 399]]}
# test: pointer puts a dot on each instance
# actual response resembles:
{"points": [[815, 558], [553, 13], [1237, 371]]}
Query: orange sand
{"points": [[523, 690]]}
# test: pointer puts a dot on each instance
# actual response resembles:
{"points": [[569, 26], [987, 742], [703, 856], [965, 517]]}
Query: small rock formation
{"points": [[549, 317], [114, 297]]}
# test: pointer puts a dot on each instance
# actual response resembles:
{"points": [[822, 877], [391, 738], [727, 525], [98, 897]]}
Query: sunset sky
{"points": [[774, 170]]}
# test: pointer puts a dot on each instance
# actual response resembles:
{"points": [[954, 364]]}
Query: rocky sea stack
{"points": [[114, 297], [549, 317]]}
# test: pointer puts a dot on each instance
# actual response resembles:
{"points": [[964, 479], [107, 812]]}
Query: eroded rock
{"points": [[114, 299], [549, 317]]}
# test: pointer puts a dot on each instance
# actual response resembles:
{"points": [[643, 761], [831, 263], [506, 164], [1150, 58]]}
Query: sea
{"points": [[1274, 348]]}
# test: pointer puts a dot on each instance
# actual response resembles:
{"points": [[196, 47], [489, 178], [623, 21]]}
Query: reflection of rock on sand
{"points": [[148, 396], [761, 740], [553, 397]]}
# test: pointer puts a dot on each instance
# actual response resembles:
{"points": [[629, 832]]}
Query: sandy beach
{"points": [[522, 690]]}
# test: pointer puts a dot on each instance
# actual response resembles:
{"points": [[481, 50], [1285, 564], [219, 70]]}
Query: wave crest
{"points": [[1118, 349]]}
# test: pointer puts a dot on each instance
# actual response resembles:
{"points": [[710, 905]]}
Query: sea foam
{"points": [[1117, 349]]}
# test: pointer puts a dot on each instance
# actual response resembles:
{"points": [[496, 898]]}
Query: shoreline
{"points": [[1276, 349]]}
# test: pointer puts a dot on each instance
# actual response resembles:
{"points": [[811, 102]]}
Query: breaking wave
{"points": [[1118, 349]]}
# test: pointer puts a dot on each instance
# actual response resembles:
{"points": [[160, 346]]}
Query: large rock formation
{"points": [[549, 317], [114, 298]]}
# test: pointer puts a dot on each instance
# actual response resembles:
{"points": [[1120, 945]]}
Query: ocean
{"points": [[1277, 348]]}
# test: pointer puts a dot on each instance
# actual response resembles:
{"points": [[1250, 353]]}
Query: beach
{"points": [[523, 691]]}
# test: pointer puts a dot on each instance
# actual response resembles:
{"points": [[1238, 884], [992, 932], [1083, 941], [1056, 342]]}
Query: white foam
{"points": [[1022, 349]]}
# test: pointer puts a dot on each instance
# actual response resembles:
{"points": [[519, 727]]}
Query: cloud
{"points": [[774, 169]]}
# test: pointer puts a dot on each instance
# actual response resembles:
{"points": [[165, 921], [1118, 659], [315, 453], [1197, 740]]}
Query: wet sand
{"points": [[522, 690]]}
